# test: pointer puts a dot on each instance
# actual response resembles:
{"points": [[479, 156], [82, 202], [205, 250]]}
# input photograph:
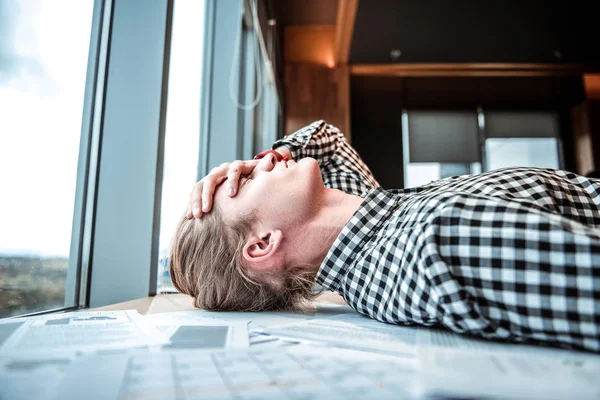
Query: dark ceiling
{"points": [[447, 31], [305, 12], [550, 93]]}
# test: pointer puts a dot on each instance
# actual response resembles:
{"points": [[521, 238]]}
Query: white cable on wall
{"points": [[261, 41], [263, 75], [237, 61]]}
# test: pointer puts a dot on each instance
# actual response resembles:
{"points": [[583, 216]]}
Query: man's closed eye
{"points": [[245, 180]]}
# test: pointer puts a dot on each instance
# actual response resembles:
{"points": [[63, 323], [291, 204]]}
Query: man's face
{"points": [[276, 192]]}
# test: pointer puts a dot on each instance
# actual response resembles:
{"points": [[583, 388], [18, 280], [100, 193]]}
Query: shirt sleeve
{"points": [[341, 166]]}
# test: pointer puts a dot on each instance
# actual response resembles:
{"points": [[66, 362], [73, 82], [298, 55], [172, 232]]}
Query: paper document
{"points": [[264, 319], [275, 374], [31, 376], [8, 327], [441, 338], [462, 373], [260, 340], [80, 331], [353, 331], [199, 333]]}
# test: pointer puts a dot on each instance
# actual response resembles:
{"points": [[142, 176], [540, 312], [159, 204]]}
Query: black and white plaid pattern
{"points": [[510, 254], [341, 166]]}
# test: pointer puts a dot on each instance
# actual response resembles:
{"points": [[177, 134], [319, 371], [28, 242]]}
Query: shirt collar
{"points": [[376, 207]]}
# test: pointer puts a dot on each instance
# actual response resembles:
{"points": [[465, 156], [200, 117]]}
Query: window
{"points": [[183, 124], [217, 97], [418, 174], [441, 144], [44, 49], [250, 88], [268, 109], [522, 152], [521, 139]]}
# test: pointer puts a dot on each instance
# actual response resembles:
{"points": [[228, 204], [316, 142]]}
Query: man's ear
{"points": [[259, 251]]}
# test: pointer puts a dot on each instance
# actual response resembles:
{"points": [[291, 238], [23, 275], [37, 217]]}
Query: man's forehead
{"points": [[220, 193], [221, 187]]}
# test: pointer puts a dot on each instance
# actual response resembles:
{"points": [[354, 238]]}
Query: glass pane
{"points": [[183, 124], [442, 136], [44, 47], [418, 174], [521, 152]]}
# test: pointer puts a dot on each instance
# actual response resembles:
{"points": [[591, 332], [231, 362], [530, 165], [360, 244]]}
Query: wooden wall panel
{"points": [[582, 139], [592, 86], [314, 92], [344, 27], [585, 119], [309, 44]]}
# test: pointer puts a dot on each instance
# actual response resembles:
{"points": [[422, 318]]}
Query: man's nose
{"points": [[267, 163]]}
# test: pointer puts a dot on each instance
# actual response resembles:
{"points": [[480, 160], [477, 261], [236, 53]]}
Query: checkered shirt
{"points": [[512, 254]]}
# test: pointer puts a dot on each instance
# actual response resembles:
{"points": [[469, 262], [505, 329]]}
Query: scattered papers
{"points": [[35, 351], [8, 327], [261, 320], [32, 376], [263, 340], [200, 333], [439, 338], [330, 352], [353, 331], [300, 372], [80, 331], [462, 373]]}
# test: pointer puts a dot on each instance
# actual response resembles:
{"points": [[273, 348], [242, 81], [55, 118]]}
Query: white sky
{"points": [[40, 121], [183, 114], [40, 124]]}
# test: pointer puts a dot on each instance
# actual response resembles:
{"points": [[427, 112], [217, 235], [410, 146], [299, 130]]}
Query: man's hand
{"points": [[203, 191]]}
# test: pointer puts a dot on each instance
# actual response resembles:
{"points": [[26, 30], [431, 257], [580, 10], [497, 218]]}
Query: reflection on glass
{"points": [[183, 124], [418, 174], [522, 152], [44, 48]]}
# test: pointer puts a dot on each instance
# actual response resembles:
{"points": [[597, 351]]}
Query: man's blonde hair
{"points": [[206, 262]]}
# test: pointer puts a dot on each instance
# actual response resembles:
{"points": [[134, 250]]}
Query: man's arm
{"points": [[341, 166]]}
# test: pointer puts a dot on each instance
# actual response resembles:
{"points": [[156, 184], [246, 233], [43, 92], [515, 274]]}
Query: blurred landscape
{"points": [[31, 283], [164, 284]]}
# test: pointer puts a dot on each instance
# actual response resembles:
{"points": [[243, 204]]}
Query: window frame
{"points": [[483, 126], [480, 115], [124, 241], [221, 139], [229, 132], [247, 88], [116, 220], [87, 171], [76, 283]]}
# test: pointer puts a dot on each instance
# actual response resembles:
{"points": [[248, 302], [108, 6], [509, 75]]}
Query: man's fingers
{"points": [[208, 191], [237, 169], [233, 177], [197, 214], [201, 198], [248, 166], [195, 199]]}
